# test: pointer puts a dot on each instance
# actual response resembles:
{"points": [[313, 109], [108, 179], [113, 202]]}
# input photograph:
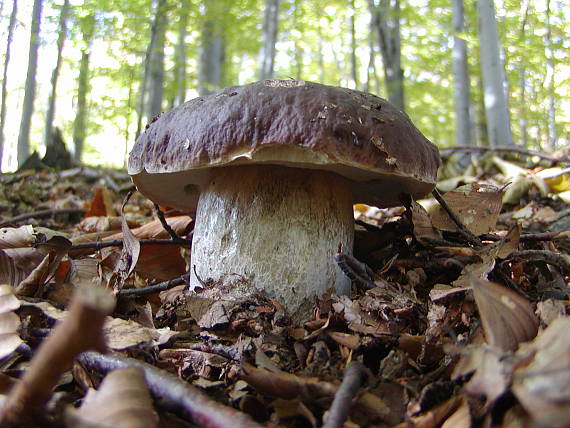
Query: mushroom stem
{"points": [[275, 228]]}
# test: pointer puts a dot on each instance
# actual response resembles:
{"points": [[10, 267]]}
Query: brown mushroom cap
{"points": [[290, 123]]}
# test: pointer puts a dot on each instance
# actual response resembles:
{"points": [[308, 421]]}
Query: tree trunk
{"points": [[496, 110], [525, 7], [11, 26], [297, 49], [550, 73], [461, 77], [180, 56], [386, 14], [30, 90], [80, 123], [353, 61], [143, 90], [50, 114], [269, 31], [212, 52], [156, 87]]}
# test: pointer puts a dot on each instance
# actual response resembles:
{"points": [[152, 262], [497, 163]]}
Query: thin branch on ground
{"points": [[518, 150], [548, 257], [165, 224], [41, 214], [172, 393], [119, 243], [155, 288], [353, 377], [466, 233], [531, 237], [355, 270]]}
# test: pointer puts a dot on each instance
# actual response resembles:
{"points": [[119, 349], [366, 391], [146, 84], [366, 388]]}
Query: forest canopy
{"points": [[104, 68]]}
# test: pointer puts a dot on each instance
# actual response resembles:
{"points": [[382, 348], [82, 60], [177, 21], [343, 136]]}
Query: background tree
{"points": [[386, 18], [11, 26], [212, 49], [463, 131], [62, 31], [180, 58], [496, 109], [87, 25], [156, 61], [30, 92], [269, 34]]}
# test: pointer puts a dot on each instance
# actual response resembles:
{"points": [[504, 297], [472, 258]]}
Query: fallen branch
{"points": [[41, 214], [119, 243], [461, 228], [81, 330], [151, 289], [548, 257], [519, 150], [351, 382], [172, 393]]}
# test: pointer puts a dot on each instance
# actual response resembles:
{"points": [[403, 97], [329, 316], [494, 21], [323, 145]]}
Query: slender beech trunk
{"points": [[30, 89], [143, 89], [298, 51], [80, 122], [50, 114], [386, 13], [353, 44], [550, 73], [525, 7], [180, 56], [496, 110], [11, 26], [156, 87], [320, 55], [269, 31], [212, 51], [461, 77]]}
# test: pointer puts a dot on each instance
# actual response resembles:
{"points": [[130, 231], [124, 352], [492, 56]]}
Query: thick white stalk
{"points": [[275, 228]]}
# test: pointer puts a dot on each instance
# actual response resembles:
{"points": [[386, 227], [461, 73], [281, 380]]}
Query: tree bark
{"points": [[462, 93], [30, 90], [496, 110], [386, 14], [180, 56], [269, 31], [80, 123], [50, 114], [11, 26], [156, 87], [525, 7], [212, 52]]}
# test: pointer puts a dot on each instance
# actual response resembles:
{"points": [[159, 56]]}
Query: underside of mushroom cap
{"points": [[290, 123]]}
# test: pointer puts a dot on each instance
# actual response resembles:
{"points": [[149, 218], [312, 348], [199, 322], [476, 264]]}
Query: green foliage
{"points": [[314, 44]]}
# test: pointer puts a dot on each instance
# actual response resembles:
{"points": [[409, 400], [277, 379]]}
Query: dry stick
{"points": [[548, 257], [155, 288], [338, 412], [172, 393], [81, 330], [355, 270], [165, 224], [518, 150], [466, 233], [119, 242], [41, 213], [531, 237]]}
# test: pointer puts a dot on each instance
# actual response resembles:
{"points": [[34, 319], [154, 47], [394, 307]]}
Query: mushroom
{"points": [[271, 170]]}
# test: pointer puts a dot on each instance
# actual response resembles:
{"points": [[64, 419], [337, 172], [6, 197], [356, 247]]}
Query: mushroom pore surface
{"points": [[275, 228]]}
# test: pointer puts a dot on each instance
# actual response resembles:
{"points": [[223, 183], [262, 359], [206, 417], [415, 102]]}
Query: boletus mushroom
{"points": [[272, 170]]}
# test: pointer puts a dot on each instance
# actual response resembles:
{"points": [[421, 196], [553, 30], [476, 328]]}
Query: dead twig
{"points": [[81, 330], [548, 257], [165, 224], [466, 233], [41, 214], [119, 243], [353, 377], [531, 237], [155, 288], [519, 150], [172, 393]]}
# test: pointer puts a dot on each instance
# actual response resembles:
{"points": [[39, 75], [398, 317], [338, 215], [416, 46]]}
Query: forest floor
{"points": [[451, 322]]}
